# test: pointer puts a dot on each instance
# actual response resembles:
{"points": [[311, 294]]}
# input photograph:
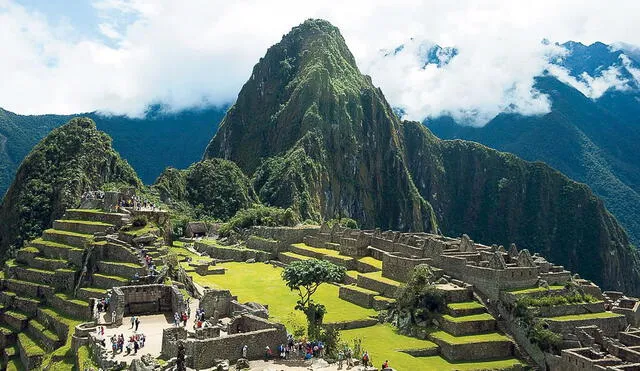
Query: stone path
{"points": [[151, 326], [318, 365]]}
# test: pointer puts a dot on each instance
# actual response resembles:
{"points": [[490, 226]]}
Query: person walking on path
{"points": [[137, 324], [133, 321], [245, 349]]}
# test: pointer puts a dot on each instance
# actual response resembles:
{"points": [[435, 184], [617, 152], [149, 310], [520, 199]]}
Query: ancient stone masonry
{"points": [[145, 299], [465, 270]]}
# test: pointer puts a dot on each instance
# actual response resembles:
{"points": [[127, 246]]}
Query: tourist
{"points": [[142, 340], [267, 353], [133, 321], [385, 365], [184, 319], [137, 324], [245, 349], [340, 359], [114, 345], [349, 356], [113, 318], [136, 346], [176, 319], [120, 343], [365, 359]]}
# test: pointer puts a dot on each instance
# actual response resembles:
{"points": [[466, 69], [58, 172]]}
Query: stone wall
{"points": [[265, 244], [284, 235], [231, 252], [609, 326], [398, 267], [202, 354], [139, 299], [216, 301]]}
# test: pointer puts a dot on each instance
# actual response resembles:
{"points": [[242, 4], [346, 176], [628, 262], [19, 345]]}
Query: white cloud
{"points": [[200, 51], [590, 86]]}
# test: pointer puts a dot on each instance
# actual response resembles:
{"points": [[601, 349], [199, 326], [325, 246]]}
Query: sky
{"points": [[120, 56]]}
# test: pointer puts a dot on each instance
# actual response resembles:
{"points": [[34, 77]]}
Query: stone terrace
{"points": [[50, 286]]}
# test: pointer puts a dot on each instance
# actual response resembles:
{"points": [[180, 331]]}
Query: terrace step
{"points": [[82, 226], [12, 300], [368, 264], [78, 240], [70, 306], [468, 325], [382, 302], [87, 293], [94, 215], [358, 295], [289, 257], [115, 268], [105, 281], [16, 319], [57, 321], [374, 281], [350, 278], [466, 308], [62, 278], [472, 347], [43, 335], [8, 336], [31, 352], [54, 250], [26, 288], [609, 322], [332, 256], [10, 352]]}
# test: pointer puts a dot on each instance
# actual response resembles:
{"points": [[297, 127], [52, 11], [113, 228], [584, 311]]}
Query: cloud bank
{"points": [[200, 52]]}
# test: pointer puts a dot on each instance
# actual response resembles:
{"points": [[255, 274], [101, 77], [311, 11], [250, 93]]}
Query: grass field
{"points": [[383, 343], [262, 283]]}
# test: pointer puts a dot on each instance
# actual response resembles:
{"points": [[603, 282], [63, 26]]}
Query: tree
{"points": [[305, 276], [419, 297]]}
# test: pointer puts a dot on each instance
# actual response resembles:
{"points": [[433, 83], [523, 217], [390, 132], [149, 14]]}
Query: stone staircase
{"points": [[37, 307]]}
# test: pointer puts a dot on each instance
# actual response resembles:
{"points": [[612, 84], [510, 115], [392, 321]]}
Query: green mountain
{"points": [[316, 135], [594, 142], [73, 158], [149, 144], [215, 188], [329, 140]]}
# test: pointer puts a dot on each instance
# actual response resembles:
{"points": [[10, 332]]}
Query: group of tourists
{"points": [[137, 203], [134, 343], [103, 305], [346, 354]]}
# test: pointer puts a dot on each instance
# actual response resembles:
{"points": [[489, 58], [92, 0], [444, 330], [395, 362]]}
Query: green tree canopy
{"points": [[306, 276]]}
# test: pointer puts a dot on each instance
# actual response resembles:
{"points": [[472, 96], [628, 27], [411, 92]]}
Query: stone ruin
{"points": [[231, 326]]}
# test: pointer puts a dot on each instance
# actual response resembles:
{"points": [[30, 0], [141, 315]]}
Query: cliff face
{"points": [[320, 137], [72, 159], [498, 198], [317, 135]]}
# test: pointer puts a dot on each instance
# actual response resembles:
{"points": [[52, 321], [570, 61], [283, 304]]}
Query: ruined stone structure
{"points": [[596, 334]]}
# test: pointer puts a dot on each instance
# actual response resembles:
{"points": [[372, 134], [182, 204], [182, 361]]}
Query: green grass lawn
{"points": [[378, 277], [371, 261], [466, 339], [383, 343], [262, 283]]}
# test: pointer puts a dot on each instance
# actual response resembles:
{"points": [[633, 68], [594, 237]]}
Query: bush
{"points": [[419, 296], [259, 215], [545, 339], [139, 221], [343, 222]]}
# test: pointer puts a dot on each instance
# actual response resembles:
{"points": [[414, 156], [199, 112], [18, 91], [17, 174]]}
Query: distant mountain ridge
{"points": [[149, 144], [594, 141]]}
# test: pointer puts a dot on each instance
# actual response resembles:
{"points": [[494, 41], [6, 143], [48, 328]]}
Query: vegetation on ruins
{"points": [[259, 215], [139, 221], [305, 276], [418, 299], [343, 222], [72, 159]]}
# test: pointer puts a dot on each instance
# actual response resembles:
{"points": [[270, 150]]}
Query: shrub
{"points": [[259, 215], [419, 296], [343, 222], [139, 221], [545, 339]]}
